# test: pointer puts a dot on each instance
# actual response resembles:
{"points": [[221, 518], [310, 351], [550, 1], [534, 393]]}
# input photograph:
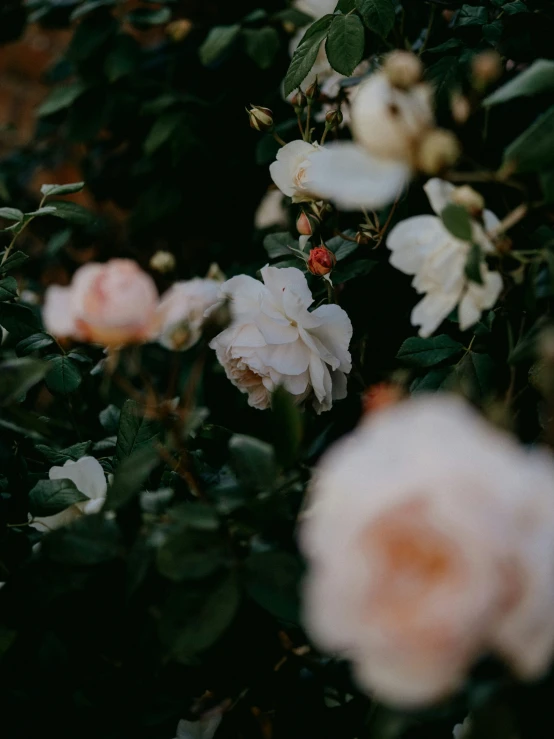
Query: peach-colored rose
{"points": [[430, 542], [110, 304]]}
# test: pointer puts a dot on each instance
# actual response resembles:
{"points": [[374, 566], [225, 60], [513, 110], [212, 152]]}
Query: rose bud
{"points": [[381, 395], [261, 119], [162, 261], [334, 118], [469, 199], [321, 261], [486, 68], [313, 91], [403, 69], [303, 225], [299, 101], [439, 149]]}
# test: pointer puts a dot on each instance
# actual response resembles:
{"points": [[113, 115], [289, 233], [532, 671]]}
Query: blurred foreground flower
{"points": [[89, 479], [394, 135], [422, 246], [274, 340], [429, 538], [110, 304], [205, 728]]}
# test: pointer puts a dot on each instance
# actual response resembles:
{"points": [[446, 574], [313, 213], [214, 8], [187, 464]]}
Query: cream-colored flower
{"points": [[110, 304], [422, 246], [316, 8], [204, 728], [291, 171], [429, 537], [89, 479], [270, 211], [274, 340], [182, 312]]}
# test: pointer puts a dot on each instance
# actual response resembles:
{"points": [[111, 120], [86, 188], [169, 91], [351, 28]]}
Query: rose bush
{"points": [[217, 221]]}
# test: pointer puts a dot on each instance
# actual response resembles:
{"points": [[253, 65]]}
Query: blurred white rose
{"points": [[89, 479], [204, 728], [110, 304], [429, 538], [182, 310], [291, 171], [274, 340], [315, 8], [422, 246]]}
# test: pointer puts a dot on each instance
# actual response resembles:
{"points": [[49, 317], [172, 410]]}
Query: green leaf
{"points": [[69, 189], [444, 76], [342, 248], [515, 7], [15, 260], [470, 15], [547, 184], [272, 580], [8, 288], [123, 59], [277, 245], [345, 6], [194, 618], [91, 540], [294, 16], [63, 376], [52, 496], [536, 79], [61, 97], [82, 10], [33, 343], [475, 376], [378, 15], [262, 45], [11, 214], [344, 272], [17, 376], [492, 32], [131, 475], [436, 379], [72, 212], [472, 267], [420, 352], [162, 130], [533, 151], [217, 43], [345, 43], [109, 418], [60, 456], [253, 461], [190, 552], [135, 432], [18, 320], [457, 220], [146, 18], [306, 53], [287, 427]]}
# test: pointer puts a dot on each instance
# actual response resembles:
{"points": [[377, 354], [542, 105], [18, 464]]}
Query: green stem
{"points": [[429, 29], [18, 233], [307, 132]]}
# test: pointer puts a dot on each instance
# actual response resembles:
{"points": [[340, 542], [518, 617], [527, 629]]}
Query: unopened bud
{"points": [[299, 100], [261, 119], [469, 199], [403, 69], [438, 150], [303, 225], [363, 238], [486, 68], [162, 261], [289, 27], [460, 108], [334, 118], [321, 261], [313, 91], [215, 273], [179, 29], [381, 395]]}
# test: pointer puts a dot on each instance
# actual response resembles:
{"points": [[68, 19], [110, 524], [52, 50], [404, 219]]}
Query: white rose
{"points": [[274, 340], [182, 310], [270, 211], [422, 246], [89, 479], [429, 539], [316, 8], [291, 170], [109, 304]]}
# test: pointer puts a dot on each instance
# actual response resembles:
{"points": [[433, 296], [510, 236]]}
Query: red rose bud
{"points": [[321, 261], [303, 225], [261, 119], [334, 118], [379, 396]]}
